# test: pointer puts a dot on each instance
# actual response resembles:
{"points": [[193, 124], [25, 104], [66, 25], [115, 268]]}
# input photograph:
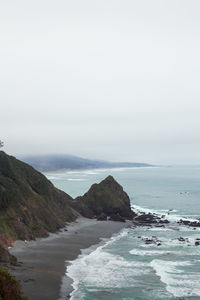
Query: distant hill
{"points": [[45, 163]]}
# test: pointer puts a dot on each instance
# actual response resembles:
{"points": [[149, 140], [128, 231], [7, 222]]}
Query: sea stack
{"points": [[106, 200]]}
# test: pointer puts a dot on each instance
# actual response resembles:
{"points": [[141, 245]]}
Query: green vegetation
{"points": [[9, 287], [30, 206], [107, 197]]}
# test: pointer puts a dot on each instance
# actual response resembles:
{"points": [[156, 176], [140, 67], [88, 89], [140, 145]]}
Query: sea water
{"points": [[125, 267]]}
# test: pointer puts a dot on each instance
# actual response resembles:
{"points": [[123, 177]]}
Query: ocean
{"points": [[125, 267]]}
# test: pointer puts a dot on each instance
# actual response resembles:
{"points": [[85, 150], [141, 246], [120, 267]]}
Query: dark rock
{"points": [[146, 219], [117, 217], [149, 241], [163, 221], [102, 217], [197, 243], [181, 239], [189, 223], [107, 197], [6, 257]]}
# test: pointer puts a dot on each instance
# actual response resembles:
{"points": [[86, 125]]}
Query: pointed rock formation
{"points": [[106, 198]]}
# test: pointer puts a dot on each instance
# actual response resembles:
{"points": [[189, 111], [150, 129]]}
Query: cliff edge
{"points": [[30, 206]]}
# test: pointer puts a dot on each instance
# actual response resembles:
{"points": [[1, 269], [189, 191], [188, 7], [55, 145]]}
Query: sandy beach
{"points": [[42, 263]]}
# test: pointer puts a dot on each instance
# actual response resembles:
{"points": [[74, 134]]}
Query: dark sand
{"points": [[43, 262]]}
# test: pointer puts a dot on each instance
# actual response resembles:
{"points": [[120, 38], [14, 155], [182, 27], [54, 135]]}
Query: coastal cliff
{"points": [[30, 206]]}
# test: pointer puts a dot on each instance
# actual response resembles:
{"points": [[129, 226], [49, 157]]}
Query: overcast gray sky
{"points": [[116, 80]]}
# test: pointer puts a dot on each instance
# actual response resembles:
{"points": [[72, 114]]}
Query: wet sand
{"points": [[42, 263]]}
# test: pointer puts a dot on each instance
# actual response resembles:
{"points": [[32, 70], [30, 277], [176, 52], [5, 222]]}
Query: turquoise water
{"points": [[124, 267]]}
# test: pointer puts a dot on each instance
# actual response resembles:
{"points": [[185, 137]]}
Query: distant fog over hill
{"points": [[46, 163]]}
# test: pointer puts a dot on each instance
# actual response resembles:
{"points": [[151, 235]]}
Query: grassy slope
{"points": [[9, 287], [30, 205]]}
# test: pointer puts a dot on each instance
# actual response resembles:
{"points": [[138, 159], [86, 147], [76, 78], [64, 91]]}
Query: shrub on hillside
{"points": [[9, 286]]}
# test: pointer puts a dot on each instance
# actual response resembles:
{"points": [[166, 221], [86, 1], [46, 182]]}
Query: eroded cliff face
{"points": [[106, 199], [30, 206]]}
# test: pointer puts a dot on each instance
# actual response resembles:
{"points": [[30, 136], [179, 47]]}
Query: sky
{"points": [[108, 79]]}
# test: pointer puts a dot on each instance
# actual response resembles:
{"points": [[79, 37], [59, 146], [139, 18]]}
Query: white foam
{"points": [[95, 269], [149, 252], [172, 217], [178, 282], [155, 252], [152, 252], [98, 267], [90, 172], [160, 229], [76, 179]]}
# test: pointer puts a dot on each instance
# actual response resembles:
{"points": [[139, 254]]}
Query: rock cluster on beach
{"points": [[149, 219], [189, 223]]}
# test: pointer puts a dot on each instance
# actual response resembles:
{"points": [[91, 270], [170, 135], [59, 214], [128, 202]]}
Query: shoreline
{"points": [[95, 169], [43, 262]]}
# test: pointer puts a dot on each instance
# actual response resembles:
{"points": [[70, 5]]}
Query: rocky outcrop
{"points": [[149, 219], [117, 217], [105, 199], [102, 217], [6, 257], [189, 223]]}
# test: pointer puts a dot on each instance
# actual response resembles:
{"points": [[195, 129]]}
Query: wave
{"points": [[177, 282], [153, 252], [169, 215], [76, 179], [95, 269], [149, 252]]}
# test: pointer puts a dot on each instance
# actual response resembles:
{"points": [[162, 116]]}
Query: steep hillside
{"points": [[106, 198], [30, 205]]}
